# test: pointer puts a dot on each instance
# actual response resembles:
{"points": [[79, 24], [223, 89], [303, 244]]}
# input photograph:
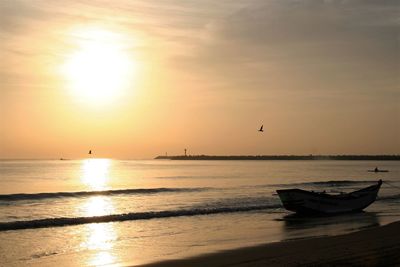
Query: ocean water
{"points": [[103, 212]]}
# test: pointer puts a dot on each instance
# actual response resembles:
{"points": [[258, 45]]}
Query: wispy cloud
{"points": [[318, 38]]}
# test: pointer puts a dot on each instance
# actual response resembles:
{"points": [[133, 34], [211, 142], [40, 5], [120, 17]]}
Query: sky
{"points": [[136, 79]]}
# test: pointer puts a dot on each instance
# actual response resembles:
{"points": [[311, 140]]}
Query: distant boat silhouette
{"points": [[90, 152], [261, 129], [378, 170]]}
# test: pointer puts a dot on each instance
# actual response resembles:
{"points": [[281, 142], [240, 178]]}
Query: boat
{"points": [[378, 170], [309, 202]]}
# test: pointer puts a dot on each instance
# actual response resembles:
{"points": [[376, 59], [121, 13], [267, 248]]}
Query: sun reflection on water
{"points": [[98, 206], [100, 240], [95, 173], [100, 237], [103, 258]]}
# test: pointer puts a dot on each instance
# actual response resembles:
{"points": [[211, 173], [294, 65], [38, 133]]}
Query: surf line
{"points": [[66, 221]]}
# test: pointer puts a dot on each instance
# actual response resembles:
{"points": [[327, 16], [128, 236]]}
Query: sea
{"points": [[108, 212]]}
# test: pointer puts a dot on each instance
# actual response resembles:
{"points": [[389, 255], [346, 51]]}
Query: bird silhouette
{"points": [[90, 152], [261, 128]]}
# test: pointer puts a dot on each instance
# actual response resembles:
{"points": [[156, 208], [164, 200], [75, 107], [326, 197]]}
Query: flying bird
{"points": [[90, 152], [261, 129]]}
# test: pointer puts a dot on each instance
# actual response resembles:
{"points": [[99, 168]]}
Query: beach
{"points": [[376, 246], [97, 212]]}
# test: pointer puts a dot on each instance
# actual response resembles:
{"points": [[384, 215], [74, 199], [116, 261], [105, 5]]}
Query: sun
{"points": [[100, 69]]}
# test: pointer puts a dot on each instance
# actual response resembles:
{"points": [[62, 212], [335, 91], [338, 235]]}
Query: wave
{"points": [[332, 183], [57, 222], [389, 197], [34, 196]]}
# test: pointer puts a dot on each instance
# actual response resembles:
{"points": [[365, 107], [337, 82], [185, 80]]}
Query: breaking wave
{"points": [[16, 197], [57, 222]]}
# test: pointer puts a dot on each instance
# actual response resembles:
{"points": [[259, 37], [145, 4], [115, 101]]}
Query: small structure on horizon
{"points": [[185, 152]]}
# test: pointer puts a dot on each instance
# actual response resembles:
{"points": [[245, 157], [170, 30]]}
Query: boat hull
{"points": [[306, 202]]}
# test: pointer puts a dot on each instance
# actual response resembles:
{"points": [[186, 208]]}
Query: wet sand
{"points": [[377, 246]]}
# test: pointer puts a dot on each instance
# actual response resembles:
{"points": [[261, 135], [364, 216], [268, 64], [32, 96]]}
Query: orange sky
{"points": [[135, 79]]}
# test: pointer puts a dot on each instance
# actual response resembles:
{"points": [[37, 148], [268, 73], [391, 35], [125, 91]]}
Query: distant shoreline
{"points": [[283, 157]]}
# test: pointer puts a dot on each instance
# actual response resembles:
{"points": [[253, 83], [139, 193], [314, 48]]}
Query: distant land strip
{"points": [[283, 157]]}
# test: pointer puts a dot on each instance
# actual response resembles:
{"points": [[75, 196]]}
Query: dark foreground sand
{"points": [[378, 246]]}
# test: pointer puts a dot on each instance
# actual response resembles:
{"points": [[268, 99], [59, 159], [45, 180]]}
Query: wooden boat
{"points": [[378, 170], [308, 202]]}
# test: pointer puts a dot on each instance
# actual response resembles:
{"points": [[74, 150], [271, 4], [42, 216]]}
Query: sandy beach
{"points": [[377, 246]]}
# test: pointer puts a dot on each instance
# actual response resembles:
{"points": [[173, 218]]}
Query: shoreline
{"points": [[376, 246]]}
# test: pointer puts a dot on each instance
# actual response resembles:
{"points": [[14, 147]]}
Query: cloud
{"points": [[243, 42], [349, 41], [283, 22]]}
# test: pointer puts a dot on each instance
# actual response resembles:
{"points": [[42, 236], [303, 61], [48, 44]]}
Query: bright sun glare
{"points": [[100, 69], [95, 173]]}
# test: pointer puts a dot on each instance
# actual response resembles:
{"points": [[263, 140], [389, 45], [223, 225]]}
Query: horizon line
{"points": [[204, 155]]}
